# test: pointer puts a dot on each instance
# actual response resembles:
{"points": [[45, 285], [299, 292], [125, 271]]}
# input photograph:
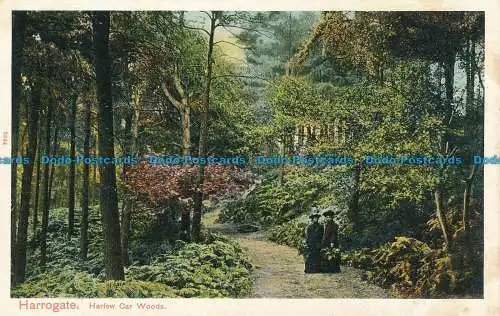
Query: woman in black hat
{"points": [[312, 251], [330, 244]]}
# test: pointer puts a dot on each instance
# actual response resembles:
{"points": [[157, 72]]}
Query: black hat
{"points": [[328, 213], [314, 215]]}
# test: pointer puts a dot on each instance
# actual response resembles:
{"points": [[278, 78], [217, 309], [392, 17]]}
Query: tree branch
{"points": [[208, 14], [479, 72], [197, 28], [225, 26], [234, 44], [242, 76], [167, 93], [178, 84]]}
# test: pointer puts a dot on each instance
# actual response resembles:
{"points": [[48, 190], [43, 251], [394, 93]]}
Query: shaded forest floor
{"points": [[279, 270]]}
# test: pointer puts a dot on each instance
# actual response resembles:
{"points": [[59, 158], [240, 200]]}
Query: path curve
{"points": [[279, 270]]}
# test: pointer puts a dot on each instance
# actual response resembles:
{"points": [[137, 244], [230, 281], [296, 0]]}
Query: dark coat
{"points": [[330, 240], [314, 234], [312, 254], [331, 234]]}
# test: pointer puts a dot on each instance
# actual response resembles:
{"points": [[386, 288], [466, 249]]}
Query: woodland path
{"points": [[279, 270]]}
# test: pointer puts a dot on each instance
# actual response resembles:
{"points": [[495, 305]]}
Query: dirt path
{"points": [[279, 270]]}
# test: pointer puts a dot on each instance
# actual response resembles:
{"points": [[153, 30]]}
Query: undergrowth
{"points": [[215, 267]]}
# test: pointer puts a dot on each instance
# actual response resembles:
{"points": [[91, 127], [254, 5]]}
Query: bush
{"points": [[291, 234], [62, 282], [65, 253], [272, 203], [216, 268], [411, 269], [134, 289], [73, 283]]}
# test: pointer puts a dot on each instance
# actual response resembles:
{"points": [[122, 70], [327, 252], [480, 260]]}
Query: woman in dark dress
{"points": [[330, 244], [312, 251]]}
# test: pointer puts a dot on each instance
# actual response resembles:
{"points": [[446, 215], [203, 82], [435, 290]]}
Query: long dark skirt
{"points": [[312, 260], [330, 266]]}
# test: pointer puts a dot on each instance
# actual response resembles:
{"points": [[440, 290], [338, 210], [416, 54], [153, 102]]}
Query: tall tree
{"points": [[196, 228], [438, 38], [108, 193], [46, 187], [22, 228], [18, 30], [55, 147], [132, 130], [72, 169], [184, 107], [37, 186], [84, 222]]}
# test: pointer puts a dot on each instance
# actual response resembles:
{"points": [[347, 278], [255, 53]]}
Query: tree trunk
{"points": [[72, 171], [22, 229], [37, 185], [467, 196], [186, 151], [195, 233], [52, 167], [84, 223], [185, 223], [185, 109], [291, 149], [186, 145], [47, 178], [18, 28], [181, 19], [108, 194], [470, 118], [300, 138], [95, 188], [128, 208], [281, 170], [95, 194], [468, 253], [186, 126], [438, 200], [449, 77], [469, 133]]}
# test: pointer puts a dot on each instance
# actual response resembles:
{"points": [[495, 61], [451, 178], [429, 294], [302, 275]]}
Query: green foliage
{"points": [[410, 268], [272, 203], [72, 283], [63, 282], [134, 289], [364, 83], [64, 252], [215, 269], [294, 96], [291, 233], [331, 254], [408, 111], [278, 37], [231, 130]]}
